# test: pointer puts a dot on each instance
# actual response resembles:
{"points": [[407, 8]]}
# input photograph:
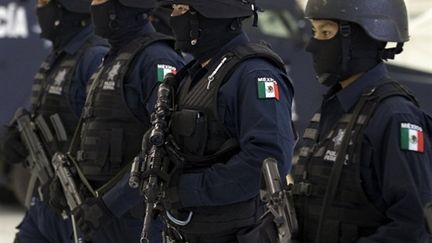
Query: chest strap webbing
{"points": [[142, 42], [218, 76], [371, 98]]}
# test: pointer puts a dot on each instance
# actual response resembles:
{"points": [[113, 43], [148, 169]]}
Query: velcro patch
{"points": [[163, 70], [268, 88], [411, 137]]}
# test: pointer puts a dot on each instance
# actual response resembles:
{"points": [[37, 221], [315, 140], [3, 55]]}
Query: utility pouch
{"points": [[189, 128]]}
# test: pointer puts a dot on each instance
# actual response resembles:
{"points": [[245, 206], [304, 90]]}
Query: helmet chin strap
{"points": [[195, 29], [390, 53], [345, 31], [255, 10]]}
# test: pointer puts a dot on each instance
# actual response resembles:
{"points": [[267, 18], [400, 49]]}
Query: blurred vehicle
{"points": [[282, 26]]}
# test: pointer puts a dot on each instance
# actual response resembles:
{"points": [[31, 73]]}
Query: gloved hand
{"points": [[91, 216], [54, 196], [11, 147]]}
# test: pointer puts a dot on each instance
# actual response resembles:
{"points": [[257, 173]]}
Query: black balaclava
{"points": [[118, 23], [160, 20], [211, 34], [58, 24], [344, 55]]}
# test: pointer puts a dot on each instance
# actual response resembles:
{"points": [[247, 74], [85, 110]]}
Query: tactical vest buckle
{"points": [[345, 29], [80, 155], [302, 188], [88, 111], [370, 92]]}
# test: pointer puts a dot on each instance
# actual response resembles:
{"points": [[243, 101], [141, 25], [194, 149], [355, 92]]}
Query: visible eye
{"points": [[180, 8], [326, 34]]}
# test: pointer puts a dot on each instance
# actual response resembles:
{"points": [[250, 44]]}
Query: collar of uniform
{"points": [[75, 44], [349, 96]]}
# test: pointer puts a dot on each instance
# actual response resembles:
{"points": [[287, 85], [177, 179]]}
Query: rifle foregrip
{"points": [[62, 168], [135, 174]]}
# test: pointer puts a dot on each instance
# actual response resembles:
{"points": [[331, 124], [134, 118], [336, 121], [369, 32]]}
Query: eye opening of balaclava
{"points": [[203, 37], [58, 24], [350, 52]]}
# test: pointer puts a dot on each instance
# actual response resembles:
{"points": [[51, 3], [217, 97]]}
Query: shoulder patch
{"points": [[163, 70], [411, 137], [57, 87], [110, 83], [268, 88]]}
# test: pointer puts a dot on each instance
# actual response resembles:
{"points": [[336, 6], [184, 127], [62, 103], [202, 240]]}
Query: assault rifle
{"points": [[38, 158], [279, 202], [149, 168], [62, 167]]}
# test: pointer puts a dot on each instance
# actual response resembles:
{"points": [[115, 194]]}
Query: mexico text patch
{"points": [[411, 137], [163, 69], [268, 88]]}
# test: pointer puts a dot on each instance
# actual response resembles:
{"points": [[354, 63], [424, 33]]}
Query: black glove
{"points": [[91, 216], [54, 196], [11, 147]]}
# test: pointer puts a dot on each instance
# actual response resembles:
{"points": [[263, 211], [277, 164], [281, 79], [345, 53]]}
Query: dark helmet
{"points": [[76, 6], [383, 20], [148, 4], [218, 9]]}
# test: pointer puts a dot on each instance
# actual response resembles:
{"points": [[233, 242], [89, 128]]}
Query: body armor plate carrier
{"points": [[51, 95], [111, 134], [348, 214], [195, 126]]}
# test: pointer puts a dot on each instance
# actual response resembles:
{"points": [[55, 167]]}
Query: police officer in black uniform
{"points": [[115, 117], [365, 170], [58, 95], [233, 110]]}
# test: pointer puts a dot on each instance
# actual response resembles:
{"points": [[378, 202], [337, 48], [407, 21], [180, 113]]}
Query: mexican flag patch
{"points": [[163, 69], [411, 137], [268, 88]]}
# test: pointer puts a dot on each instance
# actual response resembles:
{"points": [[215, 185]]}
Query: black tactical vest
{"points": [[51, 97], [111, 134], [195, 126], [350, 214]]}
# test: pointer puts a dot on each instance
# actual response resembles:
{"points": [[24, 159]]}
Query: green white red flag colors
{"points": [[163, 69], [411, 137], [268, 88]]}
